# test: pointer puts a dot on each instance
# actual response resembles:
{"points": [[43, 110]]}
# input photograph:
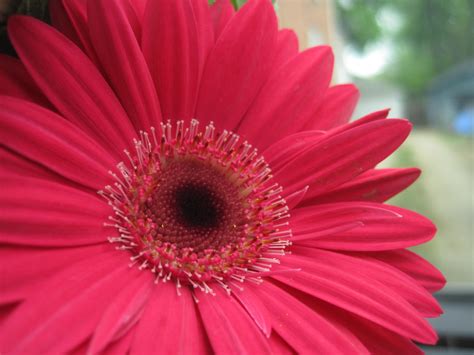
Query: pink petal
{"points": [[302, 328], [122, 312], [15, 81], [121, 346], [414, 266], [84, 288], [371, 117], [44, 137], [139, 7], [377, 339], [256, 309], [388, 275], [288, 148], [25, 269], [338, 104], [287, 47], [170, 324], [238, 65], [221, 13], [298, 86], [341, 157], [377, 185], [71, 82], [381, 227], [229, 327], [279, 346], [296, 197], [70, 18], [331, 279], [184, 32], [111, 27]]}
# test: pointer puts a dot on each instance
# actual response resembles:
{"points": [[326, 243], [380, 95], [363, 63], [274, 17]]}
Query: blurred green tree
{"points": [[430, 35]]}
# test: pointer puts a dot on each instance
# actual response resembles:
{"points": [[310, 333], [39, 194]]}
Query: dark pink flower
{"points": [[138, 215]]}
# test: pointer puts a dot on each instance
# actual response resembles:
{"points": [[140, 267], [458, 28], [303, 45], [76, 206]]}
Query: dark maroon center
{"points": [[198, 206]]}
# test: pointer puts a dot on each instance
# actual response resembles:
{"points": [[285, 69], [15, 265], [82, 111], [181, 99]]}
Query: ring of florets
{"points": [[198, 207]]}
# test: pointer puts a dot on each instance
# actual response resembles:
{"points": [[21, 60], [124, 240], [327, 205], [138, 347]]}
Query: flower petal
{"points": [[184, 32], [338, 105], [302, 328], [298, 86], [122, 313], [25, 269], [85, 287], [44, 137], [287, 47], [71, 82], [175, 316], [111, 28], [414, 266], [286, 149], [377, 185], [389, 276], [42, 213], [341, 157], [221, 13], [334, 281], [256, 309], [70, 18], [381, 227], [229, 327], [15, 81], [377, 339], [238, 65]]}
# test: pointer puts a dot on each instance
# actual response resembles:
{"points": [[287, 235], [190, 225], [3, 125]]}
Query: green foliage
{"points": [[432, 35]]}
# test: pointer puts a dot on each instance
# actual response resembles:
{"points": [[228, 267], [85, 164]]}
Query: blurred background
{"points": [[416, 57]]}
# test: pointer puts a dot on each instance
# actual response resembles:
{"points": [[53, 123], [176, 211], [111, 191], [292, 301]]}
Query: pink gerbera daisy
{"points": [[179, 178]]}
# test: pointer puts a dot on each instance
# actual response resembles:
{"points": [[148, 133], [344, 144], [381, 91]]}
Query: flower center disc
{"points": [[198, 207]]}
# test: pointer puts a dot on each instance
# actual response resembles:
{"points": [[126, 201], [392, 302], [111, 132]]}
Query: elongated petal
{"points": [[327, 279], [170, 324], [388, 275], [256, 309], [184, 32], [341, 157], [54, 215], [238, 65], [71, 82], [25, 269], [413, 265], [381, 227], [15, 81], [302, 328], [221, 13], [122, 313], [336, 109], [120, 346], [70, 18], [46, 138], [83, 288], [229, 327], [377, 339], [287, 47], [295, 88], [377, 185], [286, 149], [296, 197], [111, 27]]}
